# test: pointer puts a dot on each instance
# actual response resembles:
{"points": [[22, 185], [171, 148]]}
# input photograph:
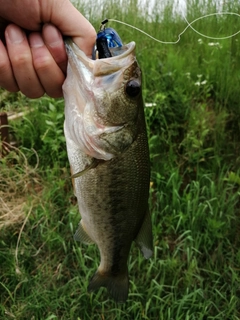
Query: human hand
{"points": [[32, 53]]}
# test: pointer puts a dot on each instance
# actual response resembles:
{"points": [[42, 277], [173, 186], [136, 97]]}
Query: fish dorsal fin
{"points": [[82, 235], [144, 238], [92, 165]]}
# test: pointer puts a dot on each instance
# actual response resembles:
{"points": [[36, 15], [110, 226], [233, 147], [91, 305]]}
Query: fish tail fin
{"points": [[117, 285]]}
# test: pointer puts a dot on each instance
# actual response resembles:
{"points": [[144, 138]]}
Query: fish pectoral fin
{"points": [[117, 285], [82, 235], [144, 238], [92, 165]]}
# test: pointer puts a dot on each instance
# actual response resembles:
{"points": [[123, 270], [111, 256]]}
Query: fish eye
{"points": [[133, 88]]}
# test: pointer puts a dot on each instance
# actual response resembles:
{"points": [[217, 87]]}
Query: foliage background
{"points": [[194, 198]]}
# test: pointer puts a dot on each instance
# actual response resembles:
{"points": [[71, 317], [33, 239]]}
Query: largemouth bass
{"points": [[108, 153]]}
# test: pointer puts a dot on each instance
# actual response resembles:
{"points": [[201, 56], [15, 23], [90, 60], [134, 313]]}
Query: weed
{"points": [[194, 134]]}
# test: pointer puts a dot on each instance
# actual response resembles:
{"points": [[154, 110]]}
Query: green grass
{"points": [[194, 135]]}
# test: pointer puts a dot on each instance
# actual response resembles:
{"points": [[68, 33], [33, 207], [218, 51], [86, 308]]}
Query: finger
{"points": [[21, 60], [48, 71], [54, 42], [60, 13], [72, 23], [7, 80]]}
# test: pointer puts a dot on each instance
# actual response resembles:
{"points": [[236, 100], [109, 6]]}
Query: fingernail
{"points": [[15, 34], [36, 40], [52, 35]]}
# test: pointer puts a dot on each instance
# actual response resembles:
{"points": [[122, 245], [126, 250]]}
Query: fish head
{"points": [[102, 100]]}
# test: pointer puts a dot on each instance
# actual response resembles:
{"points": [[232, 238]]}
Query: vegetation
{"points": [[194, 133]]}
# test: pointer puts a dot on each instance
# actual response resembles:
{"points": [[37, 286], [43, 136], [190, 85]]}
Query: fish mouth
{"points": [[121, 57], [117, 52], [122, 51]]}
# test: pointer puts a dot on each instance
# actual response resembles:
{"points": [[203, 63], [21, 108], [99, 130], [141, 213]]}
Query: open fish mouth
{"points": [[108, 46], [96, 65]]}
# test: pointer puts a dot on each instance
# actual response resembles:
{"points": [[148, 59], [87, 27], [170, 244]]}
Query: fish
{"points": [[107, 147]]}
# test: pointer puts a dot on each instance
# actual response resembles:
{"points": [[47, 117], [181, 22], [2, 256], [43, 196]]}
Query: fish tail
{"points": [[117, 285]]}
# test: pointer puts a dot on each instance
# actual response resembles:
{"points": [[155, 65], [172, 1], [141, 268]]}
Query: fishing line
{"points": [[189, 25]]}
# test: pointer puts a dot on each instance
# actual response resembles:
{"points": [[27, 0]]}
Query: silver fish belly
{"points": [[108, 153]]}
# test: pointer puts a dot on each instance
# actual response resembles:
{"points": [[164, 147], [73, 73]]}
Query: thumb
{"points": [[72, 23]]}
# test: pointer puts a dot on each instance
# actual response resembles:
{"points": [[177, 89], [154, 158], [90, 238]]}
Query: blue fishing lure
{"points": [[106, 38], [112, 37]]}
